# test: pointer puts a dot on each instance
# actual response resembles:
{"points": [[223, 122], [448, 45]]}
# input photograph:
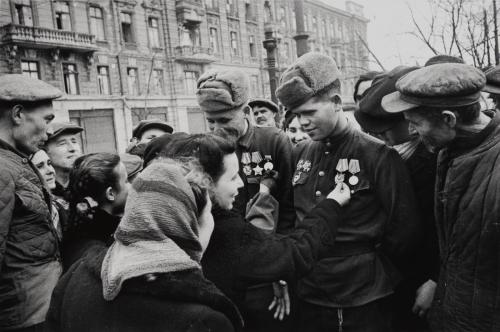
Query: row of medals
{"points": [[248, 158], [345, 165]]}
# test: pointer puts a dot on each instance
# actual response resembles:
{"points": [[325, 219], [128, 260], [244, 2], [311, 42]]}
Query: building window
{"points": [[157, 82], [30, 69], [234, 43], [70, 78], [212, 4], [24, 14], [133, 81], [294, 20], [254, 86], [103, 80], [249, 12], [154, 32], [63, 18], [283, 18], [190, 79], [232, 7], [268, 13], [126, 21], [251, 44], [315, 25], [214, 40], [97, 23]]}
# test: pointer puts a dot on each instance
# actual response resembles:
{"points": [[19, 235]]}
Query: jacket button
{"points": [[321, 173], [328, 144], [327, 152], [318, 193], [25, 161]]}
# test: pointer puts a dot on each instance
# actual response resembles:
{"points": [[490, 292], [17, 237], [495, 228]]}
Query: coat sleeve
{"points": [[262, 212], [7, 203], [269, 257], [403, 228]]}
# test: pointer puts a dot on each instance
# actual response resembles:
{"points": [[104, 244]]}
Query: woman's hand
{"points": [[423, 300], [341, 194], [206, 224], [281, 300]]}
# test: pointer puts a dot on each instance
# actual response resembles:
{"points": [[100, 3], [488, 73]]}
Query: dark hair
{"points": [[200, 197], [465, 114], [289, 116], [210, 149]]}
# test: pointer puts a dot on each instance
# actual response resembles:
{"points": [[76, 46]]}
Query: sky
{"points": [[389, 31]]}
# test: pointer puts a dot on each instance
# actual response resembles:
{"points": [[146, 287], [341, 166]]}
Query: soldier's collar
{"points": [[337, 138], [246, 139]]}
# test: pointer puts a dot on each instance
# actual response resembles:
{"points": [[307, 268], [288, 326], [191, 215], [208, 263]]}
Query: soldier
{"points": [[349, 289], [441, 102], [29, 255], [265, 112]]}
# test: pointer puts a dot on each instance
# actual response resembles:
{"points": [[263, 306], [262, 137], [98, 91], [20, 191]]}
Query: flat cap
{"points": [[57, 129], [264, 102], [493, 80], [443, 58], [133, 164], [16, 87], [309, 75], [439, 85], [370, 114], [222, 90], [144, 125]]}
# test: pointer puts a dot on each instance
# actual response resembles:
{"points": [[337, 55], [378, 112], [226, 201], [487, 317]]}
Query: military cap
{"points": [[440, 85], [222, 90], [493, 80], [16, 87], [264, 102], [144, 125], [370, 114], [443, 58], [57, 129], [133, 164], [308, 76]]}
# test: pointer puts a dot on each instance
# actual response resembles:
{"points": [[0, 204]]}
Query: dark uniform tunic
{"points": [[256, 144], [379, 227]]}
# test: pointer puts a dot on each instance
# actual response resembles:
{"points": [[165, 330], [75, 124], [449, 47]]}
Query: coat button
{"points": [[318, 193], [25, 161], [328, 144], [327, 152], [321, 173]]}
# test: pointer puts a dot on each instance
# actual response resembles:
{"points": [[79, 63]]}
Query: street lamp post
{"points": [[301, 37], [270, 44]]}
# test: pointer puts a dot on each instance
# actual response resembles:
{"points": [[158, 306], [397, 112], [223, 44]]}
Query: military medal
{"points": [[258, 170], [342, 166], [245, 160], [339, 177], [268, 166], [256, 157], [296, 178], [307, 166], [354, 169]]}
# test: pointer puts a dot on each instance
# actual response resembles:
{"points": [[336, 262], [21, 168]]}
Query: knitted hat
{"points": [[159, 230], [222, 90], [309, 75]]}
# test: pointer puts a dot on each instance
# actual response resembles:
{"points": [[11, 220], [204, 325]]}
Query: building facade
{"points": [[121, 61]]}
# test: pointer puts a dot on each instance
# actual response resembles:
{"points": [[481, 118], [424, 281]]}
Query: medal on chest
{"points": [[354, 169], [342, 167], [245, 161], [257, 159], [268, 165], [303, 166]]}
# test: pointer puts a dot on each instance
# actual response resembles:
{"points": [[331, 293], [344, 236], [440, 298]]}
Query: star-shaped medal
{"points": [[258, 170]]}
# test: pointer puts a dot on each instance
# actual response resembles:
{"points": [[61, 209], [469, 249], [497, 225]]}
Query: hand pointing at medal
{"points": [[341, 194]]}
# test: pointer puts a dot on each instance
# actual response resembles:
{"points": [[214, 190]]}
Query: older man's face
{"points": [[31, 129], [434, 132], [234, 119], [263, 116]]}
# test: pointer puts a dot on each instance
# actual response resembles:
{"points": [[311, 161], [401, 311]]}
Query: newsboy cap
{"points": [[144, 125], [493, 80], [56, 129], [443, 58], [309, 75], [440, 85], [17, 87], [222, 90], [370, 114], [264, 102]]}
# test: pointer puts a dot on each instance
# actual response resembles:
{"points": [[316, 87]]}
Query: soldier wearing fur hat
{"points": [[441, 102], [29, 253], [348, 290]]}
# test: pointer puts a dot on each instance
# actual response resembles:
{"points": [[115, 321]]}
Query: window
{"points": [[315, 25], [232, 7], [190, 79], [157, 82], [283, 18], [133, 81], [30, 69], [154, 32], [24, 15], [126, 21], [214, 40], [63, 18], [97, 23], [254, 87], [70, 78], [234, 43], [249, 15], [212, 4], [251, 44], [268, 14], [325, 29], [103, 80], [294, 20]]}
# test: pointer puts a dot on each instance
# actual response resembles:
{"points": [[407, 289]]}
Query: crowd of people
{"points": [[262, 224]]}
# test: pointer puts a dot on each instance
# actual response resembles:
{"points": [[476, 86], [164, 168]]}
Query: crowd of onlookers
{"points": [[299, 222]]}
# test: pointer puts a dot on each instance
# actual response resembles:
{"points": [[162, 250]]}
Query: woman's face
{"points": [[226, 187], [44, 165]]}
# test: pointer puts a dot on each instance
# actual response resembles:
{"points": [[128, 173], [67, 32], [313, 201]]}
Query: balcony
{"points": [[190, 12], [37, 37], [194, 54]]}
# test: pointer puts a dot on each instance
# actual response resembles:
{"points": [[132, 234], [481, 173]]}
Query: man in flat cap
{"points": [[63, 147], [223, 97], [493, 85], [144, 132], [264, 111], [29, 256], [349, 289], [414, 295], [441, 102]]}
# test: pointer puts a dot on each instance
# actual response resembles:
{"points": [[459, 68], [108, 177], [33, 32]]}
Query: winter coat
{"points": [[29, 254], [167, 302], [467, 297]]}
